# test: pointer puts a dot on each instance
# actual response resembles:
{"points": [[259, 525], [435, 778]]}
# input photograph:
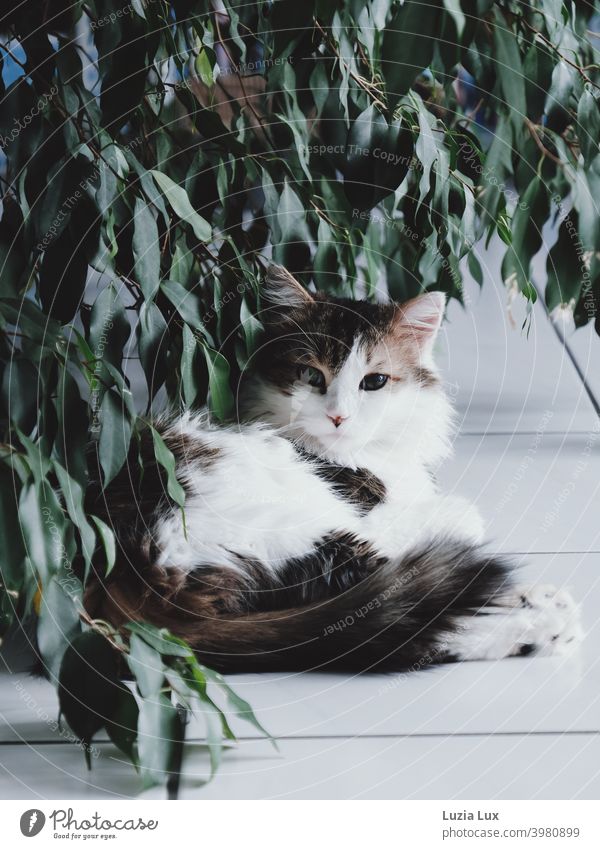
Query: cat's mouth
{"points": [[343, 435]]}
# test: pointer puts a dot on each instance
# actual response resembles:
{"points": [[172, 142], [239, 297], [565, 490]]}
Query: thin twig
{"points": [[324, 216], [250, 105], [533, 132], [370, 88], [553, 47]]}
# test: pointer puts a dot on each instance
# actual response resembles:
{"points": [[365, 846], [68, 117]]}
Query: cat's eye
{"points": [[371, 382], [313, 376]]}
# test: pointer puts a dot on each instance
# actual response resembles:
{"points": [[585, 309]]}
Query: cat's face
{"points": [[340, 374]]}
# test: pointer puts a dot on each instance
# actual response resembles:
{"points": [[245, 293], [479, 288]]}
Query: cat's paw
{"points": [[554, 620], [540, 620]]}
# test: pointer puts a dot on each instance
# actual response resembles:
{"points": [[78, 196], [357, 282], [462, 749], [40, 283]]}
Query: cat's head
{"points": [[339, 375]]}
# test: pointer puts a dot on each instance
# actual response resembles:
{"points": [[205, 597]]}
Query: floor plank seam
{"points": [[315, 737]]}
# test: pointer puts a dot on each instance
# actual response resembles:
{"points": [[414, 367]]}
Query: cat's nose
{"points": [[337, 420]]}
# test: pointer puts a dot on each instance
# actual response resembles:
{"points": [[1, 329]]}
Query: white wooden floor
{"points": [[529, 453]]}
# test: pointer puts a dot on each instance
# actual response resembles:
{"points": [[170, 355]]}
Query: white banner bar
{"points": [[296, 825]]}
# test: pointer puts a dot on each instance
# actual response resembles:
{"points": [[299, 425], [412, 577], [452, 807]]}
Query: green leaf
{"points": [[11, 541], [31, 321], [214, 733], [205, 66], [123, 723], [186, 303], [122, 387], [20, 387], [537, 70], [558, 115], [181, 206], [238, 705], [191, 678], [89, 687], [497, 166], [58, 622], [588, 119], [526, 237], [196, 679], [160, 739], [292, 215], [86, 353], [146, 249], [73, 496], [43, 526], [108, 542], [146, 666], [234, 24], [426, 149], [181, 264], [221, 397], [70, 444], [408, 44], [107, 191], [7, 610], [166, 459], [510, 69], [161, 640], [153, 345], [475, 268], [251, 327], [271, 202], [190, 384], [115, 435], [109, 330], [565, 265], [36, 458], [326, 266], [293, 250], [148, 185], [378, 156], [454, 10], [503, 227]]}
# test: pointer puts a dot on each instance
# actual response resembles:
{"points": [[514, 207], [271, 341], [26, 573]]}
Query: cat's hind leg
{"points": [[540, 619]]}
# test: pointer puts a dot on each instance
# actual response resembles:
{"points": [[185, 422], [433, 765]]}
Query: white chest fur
{"points": [[259, 500]]}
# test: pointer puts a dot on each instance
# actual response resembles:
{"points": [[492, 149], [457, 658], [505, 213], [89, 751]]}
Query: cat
{"points": [[315, 536]]}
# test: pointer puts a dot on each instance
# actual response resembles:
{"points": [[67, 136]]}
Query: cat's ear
{"points": [[421, 318], [282, 292]]}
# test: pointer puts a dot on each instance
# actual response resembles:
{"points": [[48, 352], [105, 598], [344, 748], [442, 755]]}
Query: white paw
{"points": [[539, 620], [554, 626]]}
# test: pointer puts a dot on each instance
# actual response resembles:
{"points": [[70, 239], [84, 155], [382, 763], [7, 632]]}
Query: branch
{"points": [[544, 150], [370, 88], [259, 118], [553, 47]]}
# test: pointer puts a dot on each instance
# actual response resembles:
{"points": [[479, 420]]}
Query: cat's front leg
{"points": [[455, 517], [539, 619], [397, 526]]}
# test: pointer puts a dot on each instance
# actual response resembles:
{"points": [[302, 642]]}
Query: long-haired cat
{"points": [[315, 536]]}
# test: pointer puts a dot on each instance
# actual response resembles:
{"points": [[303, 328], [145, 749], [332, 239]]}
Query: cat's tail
{"points": [[400, 616]]}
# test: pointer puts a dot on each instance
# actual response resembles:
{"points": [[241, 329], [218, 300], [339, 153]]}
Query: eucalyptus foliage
{"points": [[155, 154]]}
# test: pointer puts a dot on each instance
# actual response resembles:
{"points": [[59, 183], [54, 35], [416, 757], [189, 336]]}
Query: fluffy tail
{"points": [[400, 616]]}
